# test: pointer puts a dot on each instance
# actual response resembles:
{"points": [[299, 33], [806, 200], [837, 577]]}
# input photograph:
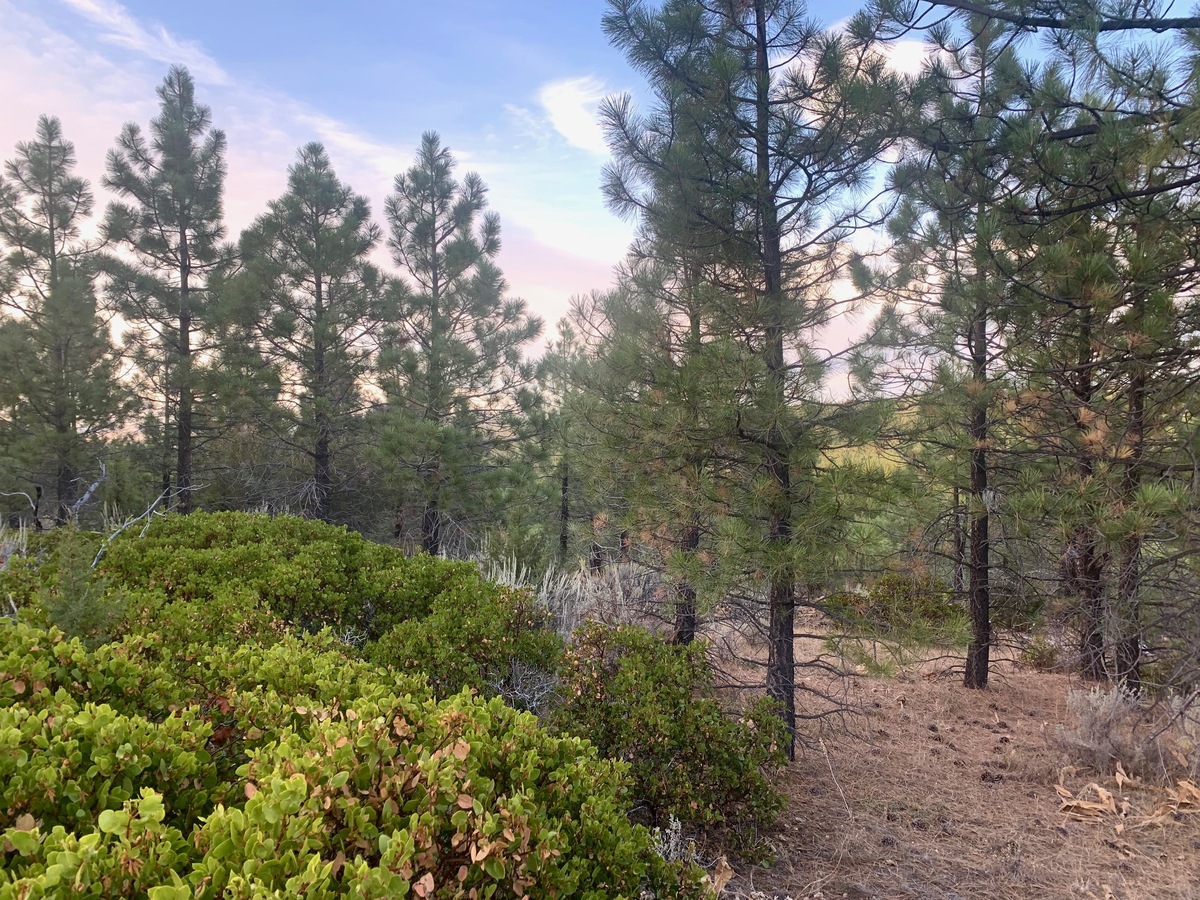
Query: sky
{"points": [[512, 87]]}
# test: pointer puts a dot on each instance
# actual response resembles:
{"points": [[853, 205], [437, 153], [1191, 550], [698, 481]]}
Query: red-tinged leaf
{"points": [[221, 735], [465, 801]]}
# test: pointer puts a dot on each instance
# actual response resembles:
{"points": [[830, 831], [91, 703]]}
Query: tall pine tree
{"points": [[59, 390], [785, 122], [171, 231], [458, 388], [316, 310]]}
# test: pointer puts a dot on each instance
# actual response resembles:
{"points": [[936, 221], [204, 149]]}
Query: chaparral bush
{"points": [[651, 704], [221, 633], [306, 573], [473, 632], [349, 783]]}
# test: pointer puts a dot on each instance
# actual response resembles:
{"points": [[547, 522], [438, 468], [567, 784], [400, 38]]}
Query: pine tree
{"points": [[946, 278], [59, 391], [1088, 158], [784, 122], [458, 389], [1108, 355], [316, 312], [656, 406], [172, 228]]}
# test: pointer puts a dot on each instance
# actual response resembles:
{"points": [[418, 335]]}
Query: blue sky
{"points": [[511, 86]]}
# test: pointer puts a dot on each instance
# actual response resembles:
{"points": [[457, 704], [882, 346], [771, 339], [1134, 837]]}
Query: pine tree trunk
{"points": [[685, 593], [64, 434], [978, 568], [1090, 569], [322, 473], [1087, 562], [183, 417], [431, 526], [564, 516], [781, 656], [960, 549], [322, 463], [1128, 650], [64, 491]]}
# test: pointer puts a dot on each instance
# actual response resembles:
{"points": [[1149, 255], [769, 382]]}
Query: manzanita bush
{"points": [[652, 704], [289, 709], [345, 785]]}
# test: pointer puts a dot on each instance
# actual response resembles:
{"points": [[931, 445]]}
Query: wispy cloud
{"points": [[120, 28], [558, 240], [571, 105], [338, 137]]}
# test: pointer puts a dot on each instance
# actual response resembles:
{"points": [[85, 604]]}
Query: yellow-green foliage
{"points": [[307, 574], [219, 641], [473, 631], [916, 608], [348, 782]]}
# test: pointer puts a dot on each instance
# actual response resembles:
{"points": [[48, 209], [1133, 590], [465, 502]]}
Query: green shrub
{"points": [[65, 763], [402, 592], [350, 781], [36, 665], [52, 583], [472, 634], [271, 572], [1040, 654], [463, 794], [127, 852], [77, 599], [913, 609], [231, 614], [307, 573], [651, 705]]}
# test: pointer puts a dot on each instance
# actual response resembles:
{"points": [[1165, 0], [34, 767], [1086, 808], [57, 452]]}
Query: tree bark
{"points": [[685, 593], [781, 656], [431, 526], [1128, 649], [564, 515], [978, 568], [322, 457], [183, 374], [1086, 563]]}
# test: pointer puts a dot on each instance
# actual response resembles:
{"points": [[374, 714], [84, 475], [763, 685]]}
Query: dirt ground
{"points": [[927, 790]]}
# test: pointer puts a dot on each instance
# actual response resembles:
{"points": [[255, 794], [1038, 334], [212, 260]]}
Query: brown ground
{"points": [[932, 791]]}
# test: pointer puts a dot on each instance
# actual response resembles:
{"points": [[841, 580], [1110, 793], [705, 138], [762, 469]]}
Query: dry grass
{"points": [[933, 791], [913, 787]]}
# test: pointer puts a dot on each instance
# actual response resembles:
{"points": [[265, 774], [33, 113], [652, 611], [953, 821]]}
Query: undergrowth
{"points": [[1157, 740]]}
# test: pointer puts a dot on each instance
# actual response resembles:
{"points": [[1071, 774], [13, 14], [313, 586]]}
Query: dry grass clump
{"points": [[1109, 728]]}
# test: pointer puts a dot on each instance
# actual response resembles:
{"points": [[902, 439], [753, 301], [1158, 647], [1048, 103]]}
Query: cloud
{"points": [[387, 159], [120, 28], [906, 57], [557, 239], [528, 124], [571, 106]]}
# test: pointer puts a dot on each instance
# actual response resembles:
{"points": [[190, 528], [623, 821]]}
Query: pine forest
{"points": [[328, 568]]}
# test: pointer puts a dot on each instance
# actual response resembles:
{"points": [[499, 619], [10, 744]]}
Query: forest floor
{"points": [[928, 790]]}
